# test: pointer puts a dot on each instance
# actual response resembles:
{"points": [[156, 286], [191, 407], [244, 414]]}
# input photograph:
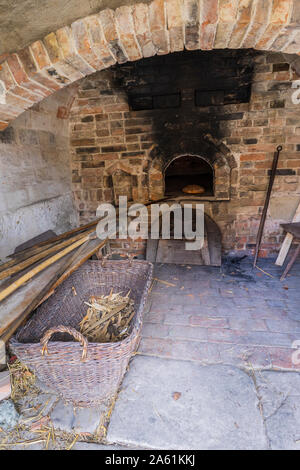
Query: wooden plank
{"points": [[5, 385], [285, 247], [57, 238], [174, 252], [151, 250], [287, 241], [2, 354], [42, 237], [30, 274], [93, 247], [12, 308], [204, 250], [4, 273], [291, 263], [67, 262], [214, 242], [23, 256]]}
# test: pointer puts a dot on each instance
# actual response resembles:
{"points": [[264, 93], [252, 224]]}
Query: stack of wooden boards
{"points": [[31, 275]]}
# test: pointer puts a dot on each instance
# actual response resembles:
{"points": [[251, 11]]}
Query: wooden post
{"points": [[290, 264], [287, 241]]}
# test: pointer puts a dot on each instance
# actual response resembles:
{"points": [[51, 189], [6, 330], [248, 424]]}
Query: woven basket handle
{"points": [[121, 253], [64, 329]]}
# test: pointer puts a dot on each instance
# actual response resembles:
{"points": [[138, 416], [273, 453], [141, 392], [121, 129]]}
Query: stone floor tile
{"points": [[280, 397], [188, 333], [87, 420], [151, 330], [176, 318], [202, 352], [247, 324], [212, 411], [63, 417], [208, 322], [282, 358]]}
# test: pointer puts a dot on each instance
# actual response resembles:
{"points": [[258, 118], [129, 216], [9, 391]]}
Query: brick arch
{"points": [[220, 160], [180, 155], [214, 168], [132, 32]]}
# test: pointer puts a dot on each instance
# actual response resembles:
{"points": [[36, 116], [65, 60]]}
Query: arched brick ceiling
{"points": [[25, 21], [130, 33]]}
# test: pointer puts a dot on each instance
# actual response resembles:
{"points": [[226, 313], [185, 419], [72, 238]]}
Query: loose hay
{"points": [[108, 318], [22, 380]]}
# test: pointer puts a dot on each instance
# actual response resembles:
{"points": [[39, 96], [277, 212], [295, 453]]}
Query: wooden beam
{"points": [[291, 262], [23, 256], [93, 247], [52, 240], [15, 309], [41, 255], [66, 269], [9, 332], [2, 354], [40, 267], [287, 241]]}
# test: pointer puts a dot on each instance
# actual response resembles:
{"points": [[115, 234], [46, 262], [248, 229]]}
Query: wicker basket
{"points": [[87, 373]]}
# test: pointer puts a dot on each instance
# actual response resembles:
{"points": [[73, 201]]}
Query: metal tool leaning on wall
{"points": [[266, 205]]}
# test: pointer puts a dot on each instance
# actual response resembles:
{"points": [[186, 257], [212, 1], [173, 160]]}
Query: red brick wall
{"points": [[106, 137]]}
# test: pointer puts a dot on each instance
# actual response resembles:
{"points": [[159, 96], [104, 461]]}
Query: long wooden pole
{"points": [[75, 265], [19, 282], [33, 259], [12, 287], [59, 277], [27, 254], [266, 205], [48, 287], [52, 240]]}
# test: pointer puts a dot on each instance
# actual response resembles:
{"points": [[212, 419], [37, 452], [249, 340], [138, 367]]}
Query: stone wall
{"points": [[35, 189], [111, 143]]}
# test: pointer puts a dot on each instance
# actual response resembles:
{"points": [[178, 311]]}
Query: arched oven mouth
{"points": [[189, 175]]}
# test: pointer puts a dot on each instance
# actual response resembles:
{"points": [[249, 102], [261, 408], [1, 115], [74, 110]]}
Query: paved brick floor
{"points": [[205, 332], [234, 315]]}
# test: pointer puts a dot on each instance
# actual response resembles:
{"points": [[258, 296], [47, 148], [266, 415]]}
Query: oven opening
{"points": [[189, 175]]}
